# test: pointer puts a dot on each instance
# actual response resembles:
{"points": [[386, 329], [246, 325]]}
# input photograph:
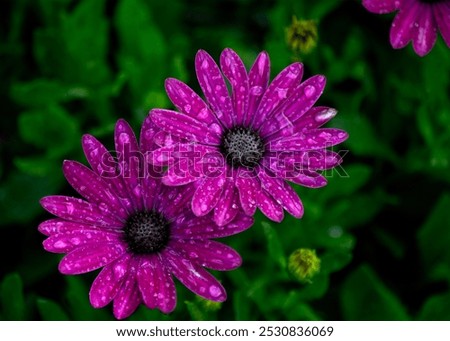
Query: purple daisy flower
{"points": [[238, 150], [135, 228], [416, 21]]}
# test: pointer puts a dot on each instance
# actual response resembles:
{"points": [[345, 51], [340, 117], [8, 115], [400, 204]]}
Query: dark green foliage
{"points": [[381, 226]]}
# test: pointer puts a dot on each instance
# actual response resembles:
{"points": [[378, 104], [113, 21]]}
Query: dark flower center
{"points": [[432, 1], [146, 232], [242, 146]]}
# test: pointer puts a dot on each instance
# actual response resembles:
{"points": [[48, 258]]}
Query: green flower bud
{"points": [[303, 264]]}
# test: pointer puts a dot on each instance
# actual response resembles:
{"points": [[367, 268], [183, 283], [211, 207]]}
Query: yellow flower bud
{"points": [[303, 264], [302, 35]]}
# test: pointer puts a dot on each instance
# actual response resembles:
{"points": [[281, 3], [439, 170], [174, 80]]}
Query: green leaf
{"points": [[12, 298], [365, 297], [21, 190], [346, 180], [274, 245], [50, 310], [436, 308], [52, 129], [197, 314], [39, 92], [434, 236]]}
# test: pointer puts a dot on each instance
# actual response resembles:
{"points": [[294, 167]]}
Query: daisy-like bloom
{"points": [[240, 149], [135, 228], [416, 21]]}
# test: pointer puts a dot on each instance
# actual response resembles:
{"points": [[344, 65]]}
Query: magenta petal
{"points": [[132, 161], [207, 195], [56, 226], [174, 200], [248, 186], [279, 90], [425, 36], [289, 162], [129, 297], [147, 136], [193, 276], [282, 193], [302, 99], [92, 187], [108, 282], [181, 173], [234, 69], [208, 253], [156, 285], [193, 227], [381, 6], [68, 241], [90, 257], [311, 140], [258, 79], [269, 207], [308, 179], [214, 87], [189, 103], [103, 163], [227, 207], [186, 127], [442, 16], [78, 210], [402, 28]]}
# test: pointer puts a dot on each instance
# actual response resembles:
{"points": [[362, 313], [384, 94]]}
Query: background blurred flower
{"points": [[140, 231], [417, 21], [260, 136]]}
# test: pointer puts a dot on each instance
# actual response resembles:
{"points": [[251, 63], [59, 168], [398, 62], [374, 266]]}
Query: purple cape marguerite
{"points": [[239, 150], [135, 228], [416, 21]]}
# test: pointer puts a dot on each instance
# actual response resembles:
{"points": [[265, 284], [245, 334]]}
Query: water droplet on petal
{"points": [[309, 91], [325, 115], [59, 244], [214, 291], [256, 90]]}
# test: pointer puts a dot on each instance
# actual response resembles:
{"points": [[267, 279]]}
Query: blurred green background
{"points": [[381, 227]]}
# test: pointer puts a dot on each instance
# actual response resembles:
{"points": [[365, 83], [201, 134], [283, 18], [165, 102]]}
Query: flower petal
{"points": [[289, 162], [313, 119], [108, 282], [308, 178], [302, 99], [208, 253], [90, 257], [189, 103], [93, 188], [147, 135], [258, 79], [207, 194], [282, 193], [55, 226], [181, 173], [214, 87], [190, 226], [78, 210], [381, 6], [186, 127], [233, 68], [193, 276], [129, 297], [174, 200], [425, 36], [248, 186], [68, 241], [105, 165], [156, 284], [402, 28], [269, 207], [277, 92], [131, 160], [442, 15], [227, 207], [311, 140]]}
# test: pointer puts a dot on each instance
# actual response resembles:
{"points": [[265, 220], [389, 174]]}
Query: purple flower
{"points": [[416, 21], [238, 150], [135, 228]]}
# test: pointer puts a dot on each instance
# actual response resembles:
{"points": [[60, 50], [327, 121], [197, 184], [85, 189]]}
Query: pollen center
{"points": [[146, 232], [242, 146]]}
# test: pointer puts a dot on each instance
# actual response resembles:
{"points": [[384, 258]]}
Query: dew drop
{"points": [[214, 291], [325, 115], [256, 90], [59, 244], [309, 91]]}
